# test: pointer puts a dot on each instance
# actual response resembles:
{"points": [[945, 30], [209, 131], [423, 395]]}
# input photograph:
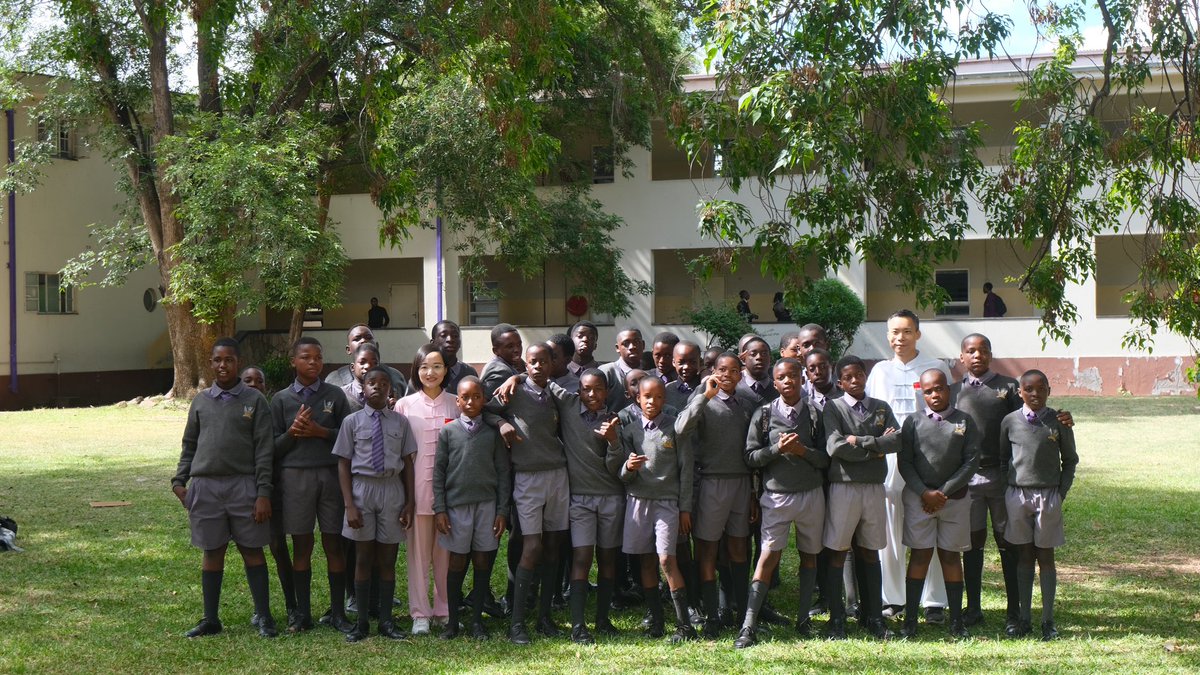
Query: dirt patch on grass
{"points": [[1159, 567]]}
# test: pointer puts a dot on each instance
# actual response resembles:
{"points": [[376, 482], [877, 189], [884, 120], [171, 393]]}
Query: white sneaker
{"points": [[420, 627]]}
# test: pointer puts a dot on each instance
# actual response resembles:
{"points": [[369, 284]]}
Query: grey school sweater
{"points": [[678, 394], [939, 455], [862, 462], [782, 472], [537, 423], [329, 407], [987, 405], [1040, 454], [667, 473], [591, 466], [718, 434], [228, 438], [471, 468], [494, 374]]}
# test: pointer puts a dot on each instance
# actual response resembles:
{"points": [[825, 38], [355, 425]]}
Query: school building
{"points": [[93, 345]]}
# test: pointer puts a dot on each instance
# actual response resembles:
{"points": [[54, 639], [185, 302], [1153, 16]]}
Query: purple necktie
{"points": [[589, 416], [1031, 417], [377, 445], [974, 382], [651, 425], [935, 417], [225, 396], [860, 408], [731, 403], [304, 393]]}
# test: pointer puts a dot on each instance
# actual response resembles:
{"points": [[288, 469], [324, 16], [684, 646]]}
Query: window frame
{"points": [[955, 308], [38, 289]]}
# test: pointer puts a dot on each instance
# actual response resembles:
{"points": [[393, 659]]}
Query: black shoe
{"points": [[292, 615], [606, 628], [728, 618], [547, 627], [818, 608], [878, 629], [647, 619], [804, 627], [266, 627], [835, 629], [1018, 629], [450, 631], [959, 630], [935, 615], [298, 623], [339, 623], [496, 609], [324, 620], [695, 617], [518, 635], [581, 636], [479, 631], [205, 627], [852, 611], [745, 639], [357, 635], [909, 630], [769, 615], [558, 601], [1049, 632], [388, 630], [892, 611], [656, 629], [684, 633], [712, 629], [973, 616]]}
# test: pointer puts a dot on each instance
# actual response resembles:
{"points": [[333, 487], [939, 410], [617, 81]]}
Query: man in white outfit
{"points": [[897, 381]]}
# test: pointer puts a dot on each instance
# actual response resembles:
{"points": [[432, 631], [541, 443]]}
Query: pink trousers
{"points": [[424, 553]]}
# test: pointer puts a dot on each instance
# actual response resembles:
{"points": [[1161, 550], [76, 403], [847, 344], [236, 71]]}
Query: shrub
{"points": [[277, 371], [721, 323], [833, 305]]}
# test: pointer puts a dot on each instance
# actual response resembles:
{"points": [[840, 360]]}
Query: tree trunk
{"points": [[296, 328]]}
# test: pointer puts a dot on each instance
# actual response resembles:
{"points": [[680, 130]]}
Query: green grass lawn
{"points": [[112, 590]]}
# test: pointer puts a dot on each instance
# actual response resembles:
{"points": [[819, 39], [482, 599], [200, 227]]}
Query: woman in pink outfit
{"points": [[428, 410]]}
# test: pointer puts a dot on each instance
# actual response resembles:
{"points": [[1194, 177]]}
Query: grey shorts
{"points": [[780, 510], [651, 526], [542, 500], [855, 513], [1034, 516], [380, 500], [596, 520], [723, 507], [949, 529], [221, 509], [311, 496], [987, 496], [470, 528]]}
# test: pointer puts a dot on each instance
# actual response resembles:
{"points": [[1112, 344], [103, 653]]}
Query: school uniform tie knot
{"points": [[685, 388], [650, 425], [1031, 417], [791, 415], [935, 417], [731, 402], [224, 396], [860, 408], [470, 425], [974, 382], [590, 416], [377, 444]]}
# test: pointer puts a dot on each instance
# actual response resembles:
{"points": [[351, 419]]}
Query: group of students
{"points": [[684, 468]]}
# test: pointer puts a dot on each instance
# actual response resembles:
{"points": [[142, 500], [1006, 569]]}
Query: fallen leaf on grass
{"points": [[105, 505], [1174, 647]]}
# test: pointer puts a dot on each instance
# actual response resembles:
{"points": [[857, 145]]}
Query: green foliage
{"points": [[721, 323], [277, 370], [833, 305]]}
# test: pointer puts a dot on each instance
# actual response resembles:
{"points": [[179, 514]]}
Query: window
{"points": [[957, 284], [59, 135], [719, 156], [46, 294], [485, 304], [314, 317], [603, 167]]}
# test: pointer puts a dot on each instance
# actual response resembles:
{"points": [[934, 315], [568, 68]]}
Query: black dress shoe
{"points": [[745, 639], [852, 611], [450, 631], [769, 615], [647, 618], [835, 629], [205, 627], [728, 618], [495, 609], [684, 633], [357, 635], [479, 631], [656, 629], [804, 627], [935, 615], [559, 601], [389, 630], [909, 630], [547, 627], [695, 617], [973, 616], [1049, 632], [958, 629], [298, 623], [818, 608], [581, 636], [266, 627], [877, 628], [518, 635], [324, 620], [1018, 629], [339, 623], [712, 629], [606, 628]]}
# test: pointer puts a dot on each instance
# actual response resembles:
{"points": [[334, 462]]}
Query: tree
{"points": [[841, 106], [834, 306]]}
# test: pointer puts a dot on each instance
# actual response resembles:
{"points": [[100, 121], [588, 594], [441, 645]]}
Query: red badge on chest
{"points": [[916, 385]]}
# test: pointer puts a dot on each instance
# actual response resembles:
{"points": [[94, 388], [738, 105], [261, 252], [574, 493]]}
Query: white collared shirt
{"points": [[899, 384]]}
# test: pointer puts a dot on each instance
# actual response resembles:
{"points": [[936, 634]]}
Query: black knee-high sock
{"points": [[210, 587], [521, 587], [260, 589], [872, 591], [362, 591], [579, 591], [387, 593], [808, 579], [303, 583], [679, 600], [912, 599], [549, 586], [1025, 591], [1049, 581], [754, 600], [604, 594], [348, 575], [861, 585], [954, 595], [973, 577], [833, 590], [283, 570], [850, 581], [740, 578], [454, 584], [725, 583], [708, 589], [654, 602], [373, 598], [482, 590], [1008, 565], [337, 593], [822, 574]]}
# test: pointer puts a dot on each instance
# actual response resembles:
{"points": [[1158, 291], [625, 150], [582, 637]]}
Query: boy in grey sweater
{"points": [[939, 453], [472, 486], [656, 467], [227, 456], [1038, 454]]}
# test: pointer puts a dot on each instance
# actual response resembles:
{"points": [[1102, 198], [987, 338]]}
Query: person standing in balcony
{"points": [[377, 317], [993, 305]]}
